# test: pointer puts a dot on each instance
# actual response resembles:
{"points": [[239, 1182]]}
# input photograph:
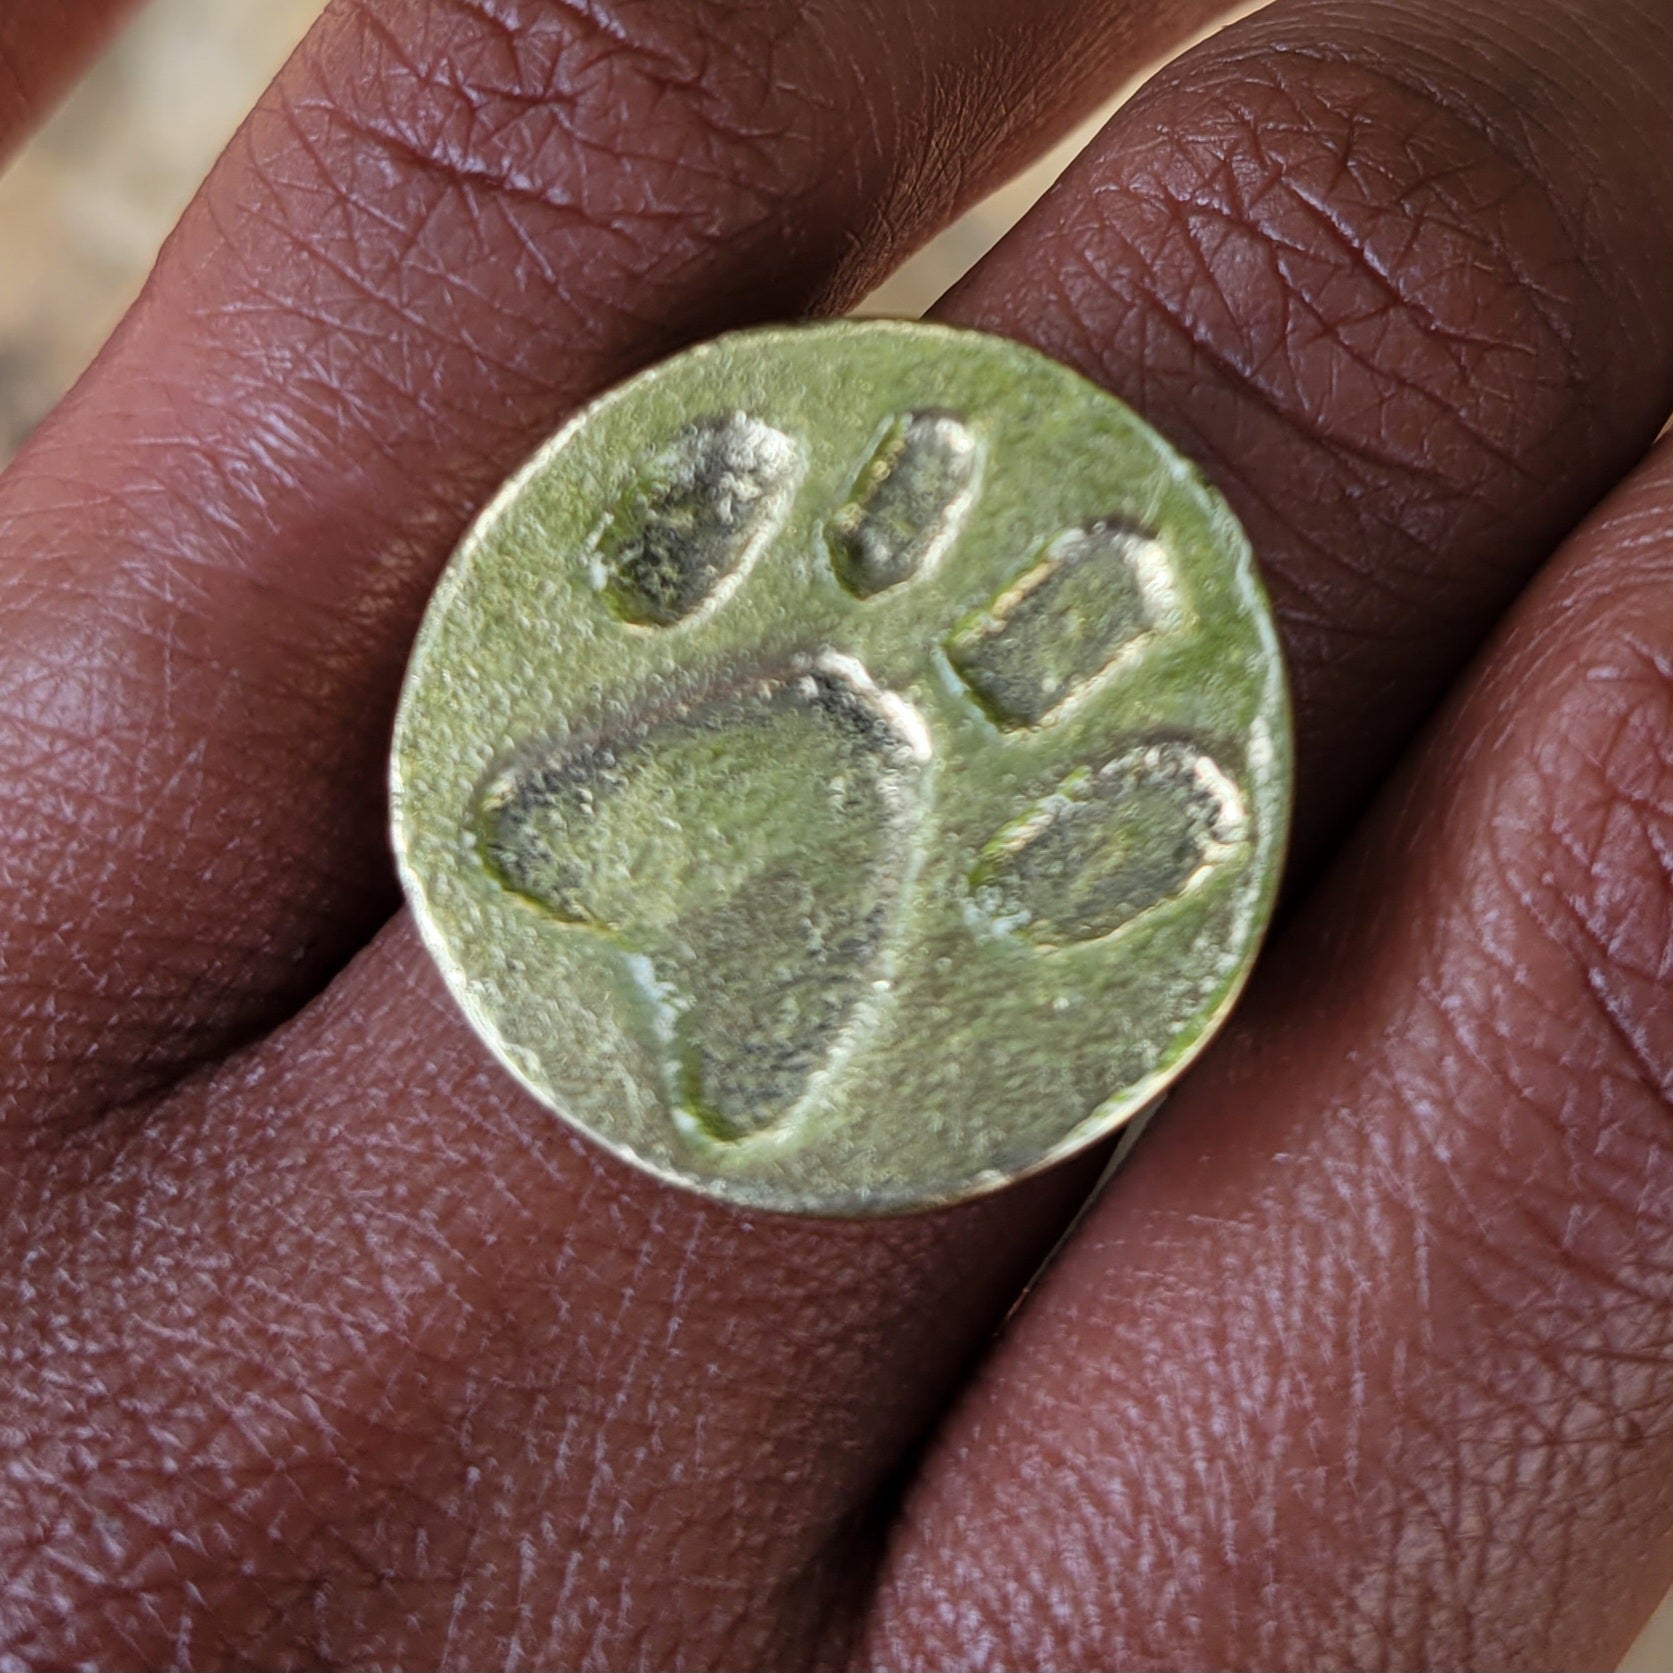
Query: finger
{"points": [[445, 225], [420, 1383], [1376, 269], [1367, 1360], [794, 1360], [43, 44]]}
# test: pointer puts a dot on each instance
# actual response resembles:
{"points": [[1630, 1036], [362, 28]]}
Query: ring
{"points": [[848, 769]]}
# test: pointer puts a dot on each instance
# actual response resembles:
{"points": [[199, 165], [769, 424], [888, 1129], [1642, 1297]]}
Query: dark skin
{"points": [[324, 1346]]}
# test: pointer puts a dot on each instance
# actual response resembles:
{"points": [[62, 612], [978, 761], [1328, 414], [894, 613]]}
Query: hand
{"points": [[325, 1347]]}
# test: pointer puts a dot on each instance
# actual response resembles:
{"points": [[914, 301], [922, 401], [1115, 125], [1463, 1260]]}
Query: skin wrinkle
{"points": [[1181, 316], [1460, 220], [775, 157], [1595, 927]]}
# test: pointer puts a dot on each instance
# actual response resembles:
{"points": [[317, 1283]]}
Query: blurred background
{"points": [[84, 209], [86, 206]]}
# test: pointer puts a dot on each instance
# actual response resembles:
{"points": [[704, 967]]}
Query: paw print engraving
{"points": [[766, 930], [1096, 596], [694, 519], [908, 506], [1112, 843], [871, 791], [763, 936]]}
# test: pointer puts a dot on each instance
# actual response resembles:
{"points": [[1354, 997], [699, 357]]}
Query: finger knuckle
{"points": [[1550, 972], [1591, 852], [1404, 284], [636, 125]]}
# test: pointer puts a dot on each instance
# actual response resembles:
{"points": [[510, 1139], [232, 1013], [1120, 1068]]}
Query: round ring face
{"points": [[848, 769]]}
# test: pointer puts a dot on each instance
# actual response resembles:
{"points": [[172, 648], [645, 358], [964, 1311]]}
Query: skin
{"points": [[325, 1347]]}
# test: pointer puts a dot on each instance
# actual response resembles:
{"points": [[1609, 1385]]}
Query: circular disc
{"points": [[848, 768]]}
